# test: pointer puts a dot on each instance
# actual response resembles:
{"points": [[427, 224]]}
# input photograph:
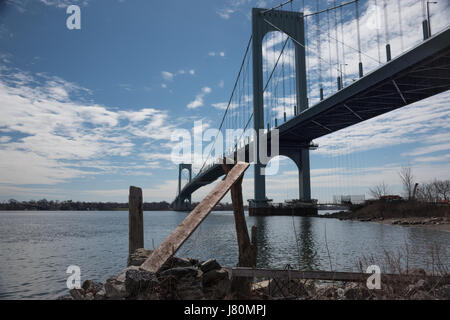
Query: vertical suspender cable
{"points": [[294, 89], [305, 23], [359, 38], [343, 46], [284, 89], [329, 51], [319, 48], [400, 27], [425, 21], [337, 46], [378, 32], [386, 31]]}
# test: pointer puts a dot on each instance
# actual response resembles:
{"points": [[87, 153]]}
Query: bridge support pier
{"points": [[180, 203], [292, 24], [301, 159]]}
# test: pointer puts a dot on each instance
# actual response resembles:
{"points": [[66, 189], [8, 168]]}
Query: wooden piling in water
{"points": [[135, 219], [241, 288]]}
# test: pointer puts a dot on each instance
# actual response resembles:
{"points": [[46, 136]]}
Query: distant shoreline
{"points": [[403, 213]]}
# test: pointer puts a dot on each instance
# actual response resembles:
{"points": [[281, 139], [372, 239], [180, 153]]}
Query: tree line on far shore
{"points": [[69, 205], [434, 191]]}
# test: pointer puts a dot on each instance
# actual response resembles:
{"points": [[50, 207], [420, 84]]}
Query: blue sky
{"points": [[86, 113]]}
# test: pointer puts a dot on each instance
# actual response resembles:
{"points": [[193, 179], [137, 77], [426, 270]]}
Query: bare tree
{"points": [[407, 178], [434, 191], [442, 189], [379, 190]]}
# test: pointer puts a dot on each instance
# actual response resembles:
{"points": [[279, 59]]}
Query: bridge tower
{"points": [[292, 24], [180, 203]]}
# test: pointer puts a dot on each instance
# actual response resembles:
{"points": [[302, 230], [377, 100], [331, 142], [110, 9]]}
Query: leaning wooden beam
{"points": [[175, 240], [327, 275]]}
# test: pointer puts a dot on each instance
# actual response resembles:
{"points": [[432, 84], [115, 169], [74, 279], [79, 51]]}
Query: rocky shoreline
{"points": [[190, 279], [435, 223]]}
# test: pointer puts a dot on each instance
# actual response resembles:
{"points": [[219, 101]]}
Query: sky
{"points": [[86, 113]]}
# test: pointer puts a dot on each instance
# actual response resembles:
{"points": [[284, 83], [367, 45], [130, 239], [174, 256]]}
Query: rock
{"points": [[209, 265], [77, 294], [421, 284], [213, 276], [91, 286], [100, 295], [175, 262], [260, 289], [194, 262], [179, 273], [417, 272], [89, 296], [422, 295], [444, 292], [115, 288], [354, 291], [341, 293], [138, 257], [326, 292], [65, 297], [181, 283], [191, 293], [139, 282], [310, 286]]}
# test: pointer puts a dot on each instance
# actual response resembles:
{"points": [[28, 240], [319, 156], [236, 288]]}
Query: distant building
{"points": [[354, 199]]}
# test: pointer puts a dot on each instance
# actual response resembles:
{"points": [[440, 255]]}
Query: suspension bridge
{"points": [[302, 76]]}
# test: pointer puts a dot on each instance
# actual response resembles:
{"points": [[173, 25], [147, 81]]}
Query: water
{"points": [[37, 247]]}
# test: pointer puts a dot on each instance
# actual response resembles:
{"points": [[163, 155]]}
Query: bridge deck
{"points": [[417, 74]]}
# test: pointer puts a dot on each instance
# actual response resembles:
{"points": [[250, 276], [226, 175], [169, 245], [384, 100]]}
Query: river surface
{"points": [[36, 247]]}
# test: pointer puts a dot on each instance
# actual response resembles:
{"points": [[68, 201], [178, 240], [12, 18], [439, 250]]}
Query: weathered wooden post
{"points": [[241, 287], [135, 219], [254, 240]]}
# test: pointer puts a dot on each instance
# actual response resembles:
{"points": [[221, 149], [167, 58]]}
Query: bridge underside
{"points": [[420, 73], [416, 75]]}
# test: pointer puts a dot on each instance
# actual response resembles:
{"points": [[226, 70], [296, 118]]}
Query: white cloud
{"points": [[192, 72], [5, 139], [225, 13], [47, 131], [213, 54], [224, 105], [445, 157], [428, 149], [198, 101], [63, 3], [168, 76]]}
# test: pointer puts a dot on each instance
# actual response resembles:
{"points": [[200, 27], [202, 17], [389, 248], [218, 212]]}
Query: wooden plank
{"points": [[135, 220], [327, 275], [175, 240]]}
